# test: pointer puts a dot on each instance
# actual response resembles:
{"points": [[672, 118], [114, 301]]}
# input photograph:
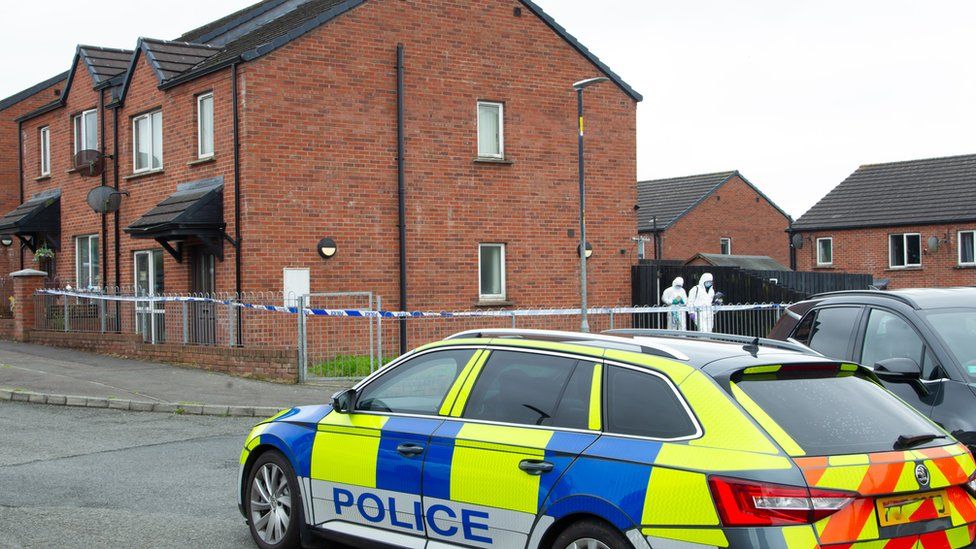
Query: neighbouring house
{"points": [[241, 145], [718, 213], [909, 224]]}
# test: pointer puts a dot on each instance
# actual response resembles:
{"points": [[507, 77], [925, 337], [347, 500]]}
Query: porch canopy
{"points": [[36, 221], [195, 212]]}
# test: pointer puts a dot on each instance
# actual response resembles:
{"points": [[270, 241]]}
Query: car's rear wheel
{"points": [[274, 507], [590, 534]]}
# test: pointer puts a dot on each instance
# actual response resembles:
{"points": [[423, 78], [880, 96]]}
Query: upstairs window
{"points": [[967, 248], [491, 267], [205, 126], [87, 262], [491, 130], [45, 151], [825, 252], [147, 142], [905, 250], [725, 246], [86, 130]]}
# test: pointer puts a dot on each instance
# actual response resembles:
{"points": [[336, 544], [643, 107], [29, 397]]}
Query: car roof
{"points": [[916, 298]]}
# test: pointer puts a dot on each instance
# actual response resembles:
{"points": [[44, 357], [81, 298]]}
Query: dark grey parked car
{"points": [[921, 343]]}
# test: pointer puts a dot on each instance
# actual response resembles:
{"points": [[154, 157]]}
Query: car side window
{"points": [[531, 389], [890, 336], [802, 331], [831, 331], [418, 386], [643, 404]]}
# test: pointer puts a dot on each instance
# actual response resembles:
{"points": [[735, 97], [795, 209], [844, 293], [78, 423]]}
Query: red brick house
{"points": [[243, 143], [718, 213], [909, 224]]}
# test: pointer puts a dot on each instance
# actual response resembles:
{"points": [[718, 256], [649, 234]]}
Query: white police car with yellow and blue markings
{"points": [[525, 439]]}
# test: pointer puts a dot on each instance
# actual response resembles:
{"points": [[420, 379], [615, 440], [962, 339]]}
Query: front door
{"points": [[367, 466], [150, 315], [519, 422], [203, 318]]}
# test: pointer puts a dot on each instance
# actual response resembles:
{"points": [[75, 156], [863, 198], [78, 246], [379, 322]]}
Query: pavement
{"points": [[51, 375]]}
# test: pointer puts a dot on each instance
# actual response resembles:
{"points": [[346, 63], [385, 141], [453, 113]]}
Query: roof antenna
{"points": [[752, 348]]}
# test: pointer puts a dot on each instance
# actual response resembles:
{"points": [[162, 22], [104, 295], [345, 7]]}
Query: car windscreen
{"points": [[957, 329], [838, 415]]}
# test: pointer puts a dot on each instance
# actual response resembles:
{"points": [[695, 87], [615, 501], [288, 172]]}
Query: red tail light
{"points": [[749, 503]]}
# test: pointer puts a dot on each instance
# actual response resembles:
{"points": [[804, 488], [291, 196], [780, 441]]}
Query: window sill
{"points": [[503, 161], [72, 170], [973, 266], [485, 303], [199, 161], [898, 269], [140, 175], [824, 267], [43, 178]]}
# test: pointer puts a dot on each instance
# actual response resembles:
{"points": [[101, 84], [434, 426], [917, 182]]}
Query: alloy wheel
{"points": [[270, 504]]}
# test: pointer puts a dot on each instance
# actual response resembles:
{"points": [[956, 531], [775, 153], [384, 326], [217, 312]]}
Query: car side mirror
{"points": [[343, 401], [898, 368]]}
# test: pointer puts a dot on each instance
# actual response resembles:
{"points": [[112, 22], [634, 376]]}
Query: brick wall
{"points": [[866, 251], [735, 211]]}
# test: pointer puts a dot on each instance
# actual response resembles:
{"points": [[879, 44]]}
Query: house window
{"points": [[491, 130], [725, 246], [967, 248], [905, 250], [491, 268], [205, 126], [86, 262], [147, 142], [45, 151], [86, 130], [825, 252]]}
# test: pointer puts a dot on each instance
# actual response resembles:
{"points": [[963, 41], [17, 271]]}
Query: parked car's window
{"points": [[643, 404], [957, 329], [831, 332], [838, 415], [417, 386], [890, 336], [803, 329], [525, 388]]}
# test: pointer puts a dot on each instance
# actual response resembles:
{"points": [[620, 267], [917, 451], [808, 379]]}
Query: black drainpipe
{"points": [[115, 177], [789, 235], [401, 200], [101, 137], [237, 199], [20, 175]]}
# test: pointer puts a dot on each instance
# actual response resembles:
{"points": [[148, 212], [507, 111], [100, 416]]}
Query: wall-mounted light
{"points": [[6, 240], [327, 248], [589, 250]]}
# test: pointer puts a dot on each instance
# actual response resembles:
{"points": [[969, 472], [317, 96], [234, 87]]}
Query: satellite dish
{"points": [[105, 199], [797, 241], [933, 244], [89, 163]]}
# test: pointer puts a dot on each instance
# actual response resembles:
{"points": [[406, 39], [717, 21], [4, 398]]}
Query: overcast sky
{"points": [[795, 94]]}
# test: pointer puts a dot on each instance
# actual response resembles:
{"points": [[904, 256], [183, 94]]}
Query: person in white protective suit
{"points": [[676, 298], [701, 298]]}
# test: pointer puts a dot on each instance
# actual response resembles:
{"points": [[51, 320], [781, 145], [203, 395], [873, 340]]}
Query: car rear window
{"points": [[837, 415]]}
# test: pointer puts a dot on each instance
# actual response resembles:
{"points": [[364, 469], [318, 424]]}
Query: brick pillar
{"points": [[26, 284]]}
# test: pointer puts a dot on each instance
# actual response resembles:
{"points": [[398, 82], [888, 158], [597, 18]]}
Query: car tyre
{"points": [[591, 534], [273, 503]]}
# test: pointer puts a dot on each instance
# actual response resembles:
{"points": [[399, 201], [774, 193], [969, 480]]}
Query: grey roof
{"points": [[209, 31], [36, 88], [193, 205], [104, 63], [915, 192], [748, 262], [39, 214], [670, 199], [171, 59]]}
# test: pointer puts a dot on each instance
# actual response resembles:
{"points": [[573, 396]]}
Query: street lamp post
{"points": [[579, 87]]}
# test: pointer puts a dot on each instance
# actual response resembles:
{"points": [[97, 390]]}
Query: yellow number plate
{"points": [[912, 508]]}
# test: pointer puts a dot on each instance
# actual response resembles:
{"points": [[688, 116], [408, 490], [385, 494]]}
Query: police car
{"points": [[514, 439]]}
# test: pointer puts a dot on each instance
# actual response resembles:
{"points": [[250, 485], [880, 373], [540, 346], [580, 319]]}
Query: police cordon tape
{"points": [[413, 314]]}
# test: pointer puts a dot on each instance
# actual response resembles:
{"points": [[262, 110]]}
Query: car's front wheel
{"points": [[590, 534], [274, 507]]}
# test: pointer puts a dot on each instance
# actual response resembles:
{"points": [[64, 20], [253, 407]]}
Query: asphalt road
{"points": [[79, 477]]}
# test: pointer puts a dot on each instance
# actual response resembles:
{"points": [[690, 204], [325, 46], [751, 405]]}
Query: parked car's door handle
{"points": [[535, 467], [410, 450]]}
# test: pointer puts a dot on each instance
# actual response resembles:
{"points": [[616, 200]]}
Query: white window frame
{"points": [[820, 261], [213, 130], [94, 270], [726, 241], [45, 138], [493, 297], [135, 153], [904, 237], [959, 248], [501, 129], [78, 129]]}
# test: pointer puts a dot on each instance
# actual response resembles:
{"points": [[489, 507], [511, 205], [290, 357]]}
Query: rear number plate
{"points": [[912, 508]]}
